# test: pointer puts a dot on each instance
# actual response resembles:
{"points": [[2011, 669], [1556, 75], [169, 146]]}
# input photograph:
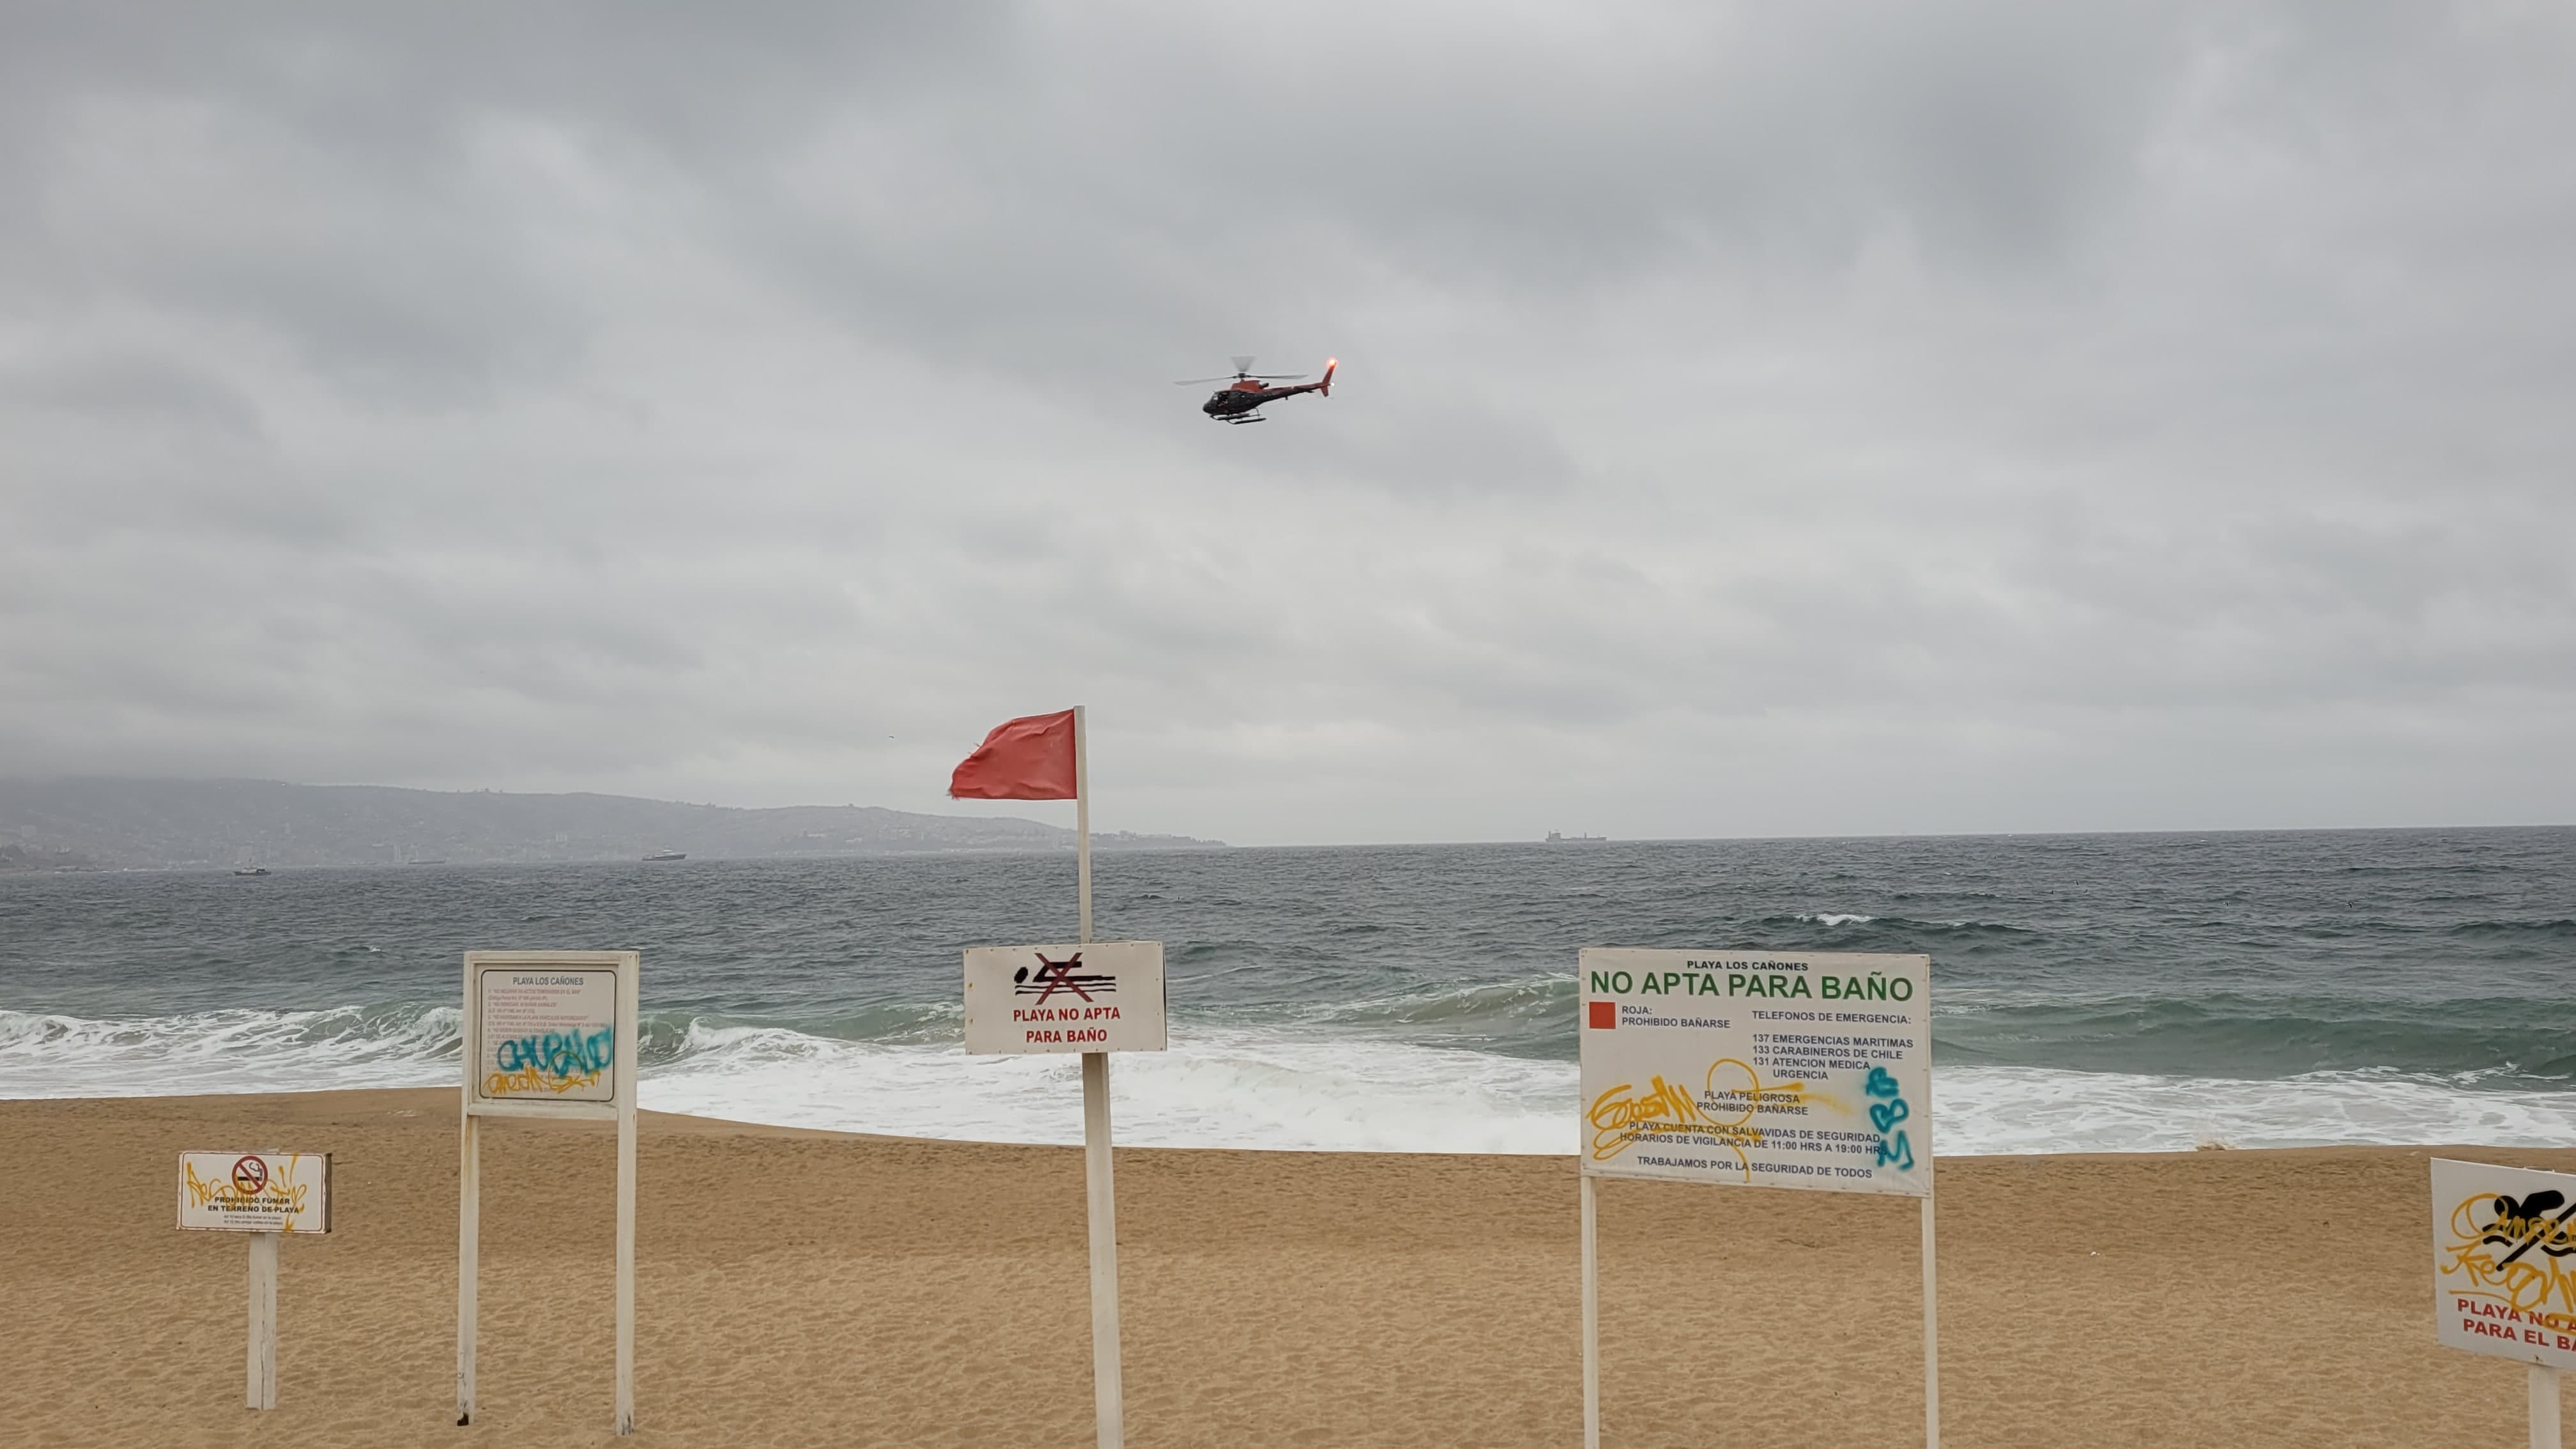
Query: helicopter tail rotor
{"points": [[1326, 386]]}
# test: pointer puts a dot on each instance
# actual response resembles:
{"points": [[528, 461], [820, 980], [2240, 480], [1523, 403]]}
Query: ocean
{"points": [[2092, 993]]}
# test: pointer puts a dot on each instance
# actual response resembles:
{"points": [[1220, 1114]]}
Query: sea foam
{"points": [[1235, 1087]]}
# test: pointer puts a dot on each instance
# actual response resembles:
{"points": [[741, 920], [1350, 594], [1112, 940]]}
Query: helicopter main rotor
{"points": [[1242, 373]]}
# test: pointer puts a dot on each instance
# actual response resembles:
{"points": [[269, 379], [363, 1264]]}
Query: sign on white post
{"points": [[255, 1192], [1758, 1068], [267, 1195], [1763, 1069], [1106, 996], [1094, 998], [2504, 1272], [548, 1034]]}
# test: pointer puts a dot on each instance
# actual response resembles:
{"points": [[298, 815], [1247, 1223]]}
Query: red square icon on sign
{"points": [[1605, 1014]]}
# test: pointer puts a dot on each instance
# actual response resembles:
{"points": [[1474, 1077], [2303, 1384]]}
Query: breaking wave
{"points": [[1223, 1086]]}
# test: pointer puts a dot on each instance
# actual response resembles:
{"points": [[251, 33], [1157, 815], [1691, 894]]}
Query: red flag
{"points": [[1030, 758]]}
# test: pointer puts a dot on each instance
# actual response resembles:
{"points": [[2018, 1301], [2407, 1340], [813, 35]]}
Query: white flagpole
{"points": [[1106, 1387], [1082, 816]]}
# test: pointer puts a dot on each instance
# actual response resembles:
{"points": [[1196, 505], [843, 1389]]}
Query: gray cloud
{"points": [[1752, 419]]}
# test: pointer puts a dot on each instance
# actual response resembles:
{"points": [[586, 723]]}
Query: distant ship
{"points": [[1555, 839], [668, 855], [442, 860], [252, 870]]}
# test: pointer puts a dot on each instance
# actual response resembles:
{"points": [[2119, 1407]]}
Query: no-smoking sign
{"points": [[255, 1192]]}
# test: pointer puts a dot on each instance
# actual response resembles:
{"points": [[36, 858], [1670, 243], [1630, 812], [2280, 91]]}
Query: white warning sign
{"points": [[1775, 1069], [1106, 996]]}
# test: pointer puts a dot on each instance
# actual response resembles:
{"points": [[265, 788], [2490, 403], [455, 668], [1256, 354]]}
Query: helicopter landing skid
{"points": [[1246, 418]]}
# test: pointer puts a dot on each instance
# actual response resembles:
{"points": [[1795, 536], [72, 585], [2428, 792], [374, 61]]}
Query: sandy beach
{"points": [[804, 1288]]}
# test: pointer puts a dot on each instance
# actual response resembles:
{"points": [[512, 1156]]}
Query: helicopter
{"points": [[1235, 402]]}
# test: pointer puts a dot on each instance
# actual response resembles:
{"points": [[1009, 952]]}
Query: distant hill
{"points": [[111, 823], [18, 857]]}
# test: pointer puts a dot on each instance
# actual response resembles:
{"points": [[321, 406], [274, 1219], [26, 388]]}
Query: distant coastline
{"points": [[22, 858], [94, 823]]}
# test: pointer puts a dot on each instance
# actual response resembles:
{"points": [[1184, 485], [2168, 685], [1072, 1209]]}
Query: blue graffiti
{"points": [[559, 1054], [1885, 1115]]}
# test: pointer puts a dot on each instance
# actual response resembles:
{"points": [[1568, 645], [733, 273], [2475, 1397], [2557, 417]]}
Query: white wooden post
{"points": [[1931, 1322], [2544, 1408], [630, 1028], [1591, 1321], [263, 1321], [469, 1247]]}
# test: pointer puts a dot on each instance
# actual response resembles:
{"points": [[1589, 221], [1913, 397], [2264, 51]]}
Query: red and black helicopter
{"points": [[1236, 401]]}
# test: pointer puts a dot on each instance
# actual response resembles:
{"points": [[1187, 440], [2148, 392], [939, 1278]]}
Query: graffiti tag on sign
{"points": [[1106, 996], [548, 1034], [2504, 1244], [255, 1192], [1809, 1071], [1884, 1114]]}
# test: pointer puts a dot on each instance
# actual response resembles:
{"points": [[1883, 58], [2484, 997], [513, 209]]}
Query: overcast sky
{"points": [[1798, 418]]}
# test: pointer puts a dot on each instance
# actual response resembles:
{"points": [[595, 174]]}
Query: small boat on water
{"points": [[252, 870], [1555, 839], [668, 855]]}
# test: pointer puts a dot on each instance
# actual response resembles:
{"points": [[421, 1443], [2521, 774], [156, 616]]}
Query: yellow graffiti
{"points": [[1720, 1116], [280, 1194], [2483, 1236], [536, 1079]]}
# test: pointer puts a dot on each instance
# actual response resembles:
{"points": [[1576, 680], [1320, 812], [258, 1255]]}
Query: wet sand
{"points": [[801, 1288]]}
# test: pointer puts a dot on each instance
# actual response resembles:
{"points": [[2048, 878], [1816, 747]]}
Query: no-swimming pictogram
{"points": [[1097, 996], [2504, 1261], [1054, 976]]}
